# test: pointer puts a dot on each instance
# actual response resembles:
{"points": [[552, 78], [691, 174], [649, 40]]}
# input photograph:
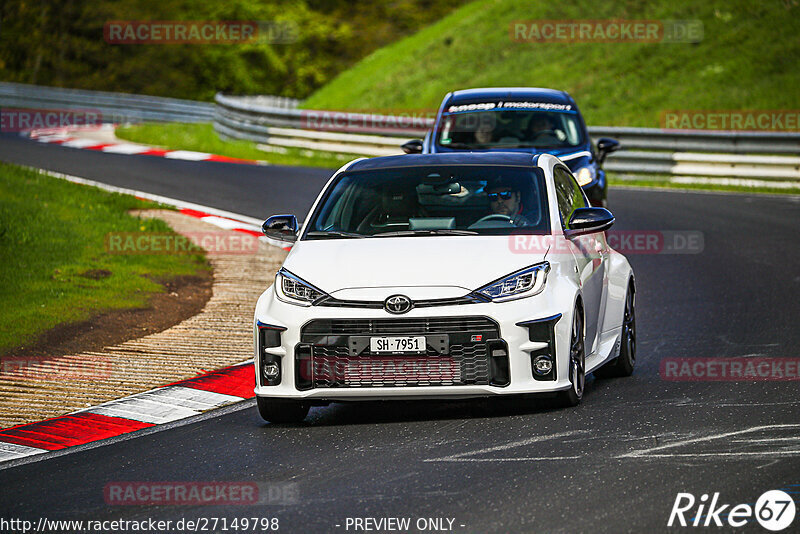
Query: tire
{"points": [[623, 364], [281, 410], [577, 363]]}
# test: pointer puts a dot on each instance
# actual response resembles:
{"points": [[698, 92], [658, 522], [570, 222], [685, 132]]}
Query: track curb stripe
{"points": [[169, 403], [237, 381], [69, 430], [132, 149], [225, 223], [228, 223]]}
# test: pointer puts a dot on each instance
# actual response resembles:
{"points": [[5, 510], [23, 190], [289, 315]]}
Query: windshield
{"points": [[510, 129], [436, 200]]}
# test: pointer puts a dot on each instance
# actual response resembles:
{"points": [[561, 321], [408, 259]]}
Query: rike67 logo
{"points": [[774, 511]]}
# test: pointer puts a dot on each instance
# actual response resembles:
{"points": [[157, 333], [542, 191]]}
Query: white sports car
{"points": [[443, 276]]}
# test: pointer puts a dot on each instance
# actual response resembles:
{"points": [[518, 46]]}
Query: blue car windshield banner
{"points": [[488, 106]]}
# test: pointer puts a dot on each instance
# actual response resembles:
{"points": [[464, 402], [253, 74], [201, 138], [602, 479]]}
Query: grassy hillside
{"points": [[748, 59]]}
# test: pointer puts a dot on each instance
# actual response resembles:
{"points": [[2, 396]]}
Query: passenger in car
{"points": [[397, 207], [483, 134]]}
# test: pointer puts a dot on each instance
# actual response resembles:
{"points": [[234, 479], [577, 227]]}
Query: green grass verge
{"points": [[747, 60], [664, 183], [52, 232], [201, 137]]}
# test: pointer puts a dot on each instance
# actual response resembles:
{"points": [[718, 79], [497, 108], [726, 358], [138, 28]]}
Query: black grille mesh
{"points": [[332, 365]]}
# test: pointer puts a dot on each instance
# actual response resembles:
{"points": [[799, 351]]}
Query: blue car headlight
{"points": [[525, 283], [294, 290], [585, 175]]}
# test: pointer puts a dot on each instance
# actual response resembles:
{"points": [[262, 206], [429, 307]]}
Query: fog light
{"points": [[542, 365], [271, 370]]}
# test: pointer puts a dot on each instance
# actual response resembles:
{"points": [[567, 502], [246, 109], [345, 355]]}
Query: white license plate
{"points": [[398, 345]]}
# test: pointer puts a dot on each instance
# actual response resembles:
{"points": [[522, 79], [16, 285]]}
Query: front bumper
{"points": [[513, 322]]}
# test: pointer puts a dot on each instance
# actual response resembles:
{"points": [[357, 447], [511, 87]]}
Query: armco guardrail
{"points": [[768, 155], [700, 164], [276, 123], [702, 140], [113, 107]]}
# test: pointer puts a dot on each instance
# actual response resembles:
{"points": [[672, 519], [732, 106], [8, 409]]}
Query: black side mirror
{"points": [[412, 147], [281, 227], [589, 221], [605, 146]]}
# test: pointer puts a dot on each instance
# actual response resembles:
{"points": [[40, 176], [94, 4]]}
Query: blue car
{"points": [[520, 119]]}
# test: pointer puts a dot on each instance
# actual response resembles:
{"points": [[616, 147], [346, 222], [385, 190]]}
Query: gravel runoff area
{"points": [[220, 335]]}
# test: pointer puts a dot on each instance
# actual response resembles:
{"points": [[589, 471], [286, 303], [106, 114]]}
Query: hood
{"points": [[424, 267]]}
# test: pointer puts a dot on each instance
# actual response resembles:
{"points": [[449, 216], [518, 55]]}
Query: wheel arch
{"points": [[564, 331]]}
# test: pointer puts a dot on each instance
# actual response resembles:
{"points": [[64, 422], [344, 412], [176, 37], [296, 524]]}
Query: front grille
{"points": [[325, 359]]}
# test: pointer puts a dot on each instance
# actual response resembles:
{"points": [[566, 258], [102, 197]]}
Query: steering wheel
{"points": [[540, 133], [499, 217]]}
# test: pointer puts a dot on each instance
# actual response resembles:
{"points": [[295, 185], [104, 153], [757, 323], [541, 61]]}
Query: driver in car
{"points": [[539, 123], [506, 199], [542, 131]]}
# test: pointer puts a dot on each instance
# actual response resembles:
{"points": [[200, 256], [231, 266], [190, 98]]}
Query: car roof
{"points": [[501, 93], [508, 159]]}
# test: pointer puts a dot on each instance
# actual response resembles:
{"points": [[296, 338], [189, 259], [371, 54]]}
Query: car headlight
{"points": [[585, 175], [294, 290], [525, 283]]}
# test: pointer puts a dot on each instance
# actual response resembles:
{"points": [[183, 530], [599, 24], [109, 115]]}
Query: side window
{"points": [[569, 195]]}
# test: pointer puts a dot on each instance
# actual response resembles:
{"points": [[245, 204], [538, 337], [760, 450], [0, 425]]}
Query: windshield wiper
{"points": [[333, 233], [453, 231], [464, 145], [441, 231], [530, 145]]}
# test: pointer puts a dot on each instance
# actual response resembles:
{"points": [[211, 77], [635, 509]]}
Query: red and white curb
{"points": [[181, 400], [65, 137]]}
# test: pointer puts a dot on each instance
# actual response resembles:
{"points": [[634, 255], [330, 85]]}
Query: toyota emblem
{"points": [[397, 304]]}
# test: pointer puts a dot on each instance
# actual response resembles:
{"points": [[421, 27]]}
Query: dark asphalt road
{"points": [[245, 189], [614, 464]]}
